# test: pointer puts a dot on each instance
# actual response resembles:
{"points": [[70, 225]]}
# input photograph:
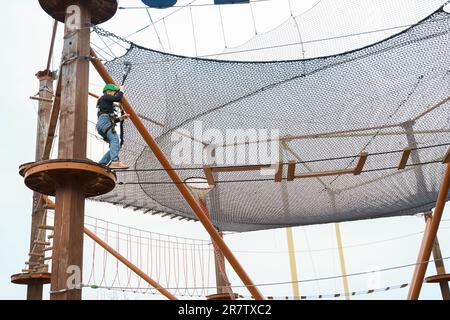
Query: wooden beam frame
{"points": [[209, 171], [279, 173], [439, 263], [41, 99], [358, 132], [404, 158], [446, 158], [39, 216], [355, 171], [429, 237]]}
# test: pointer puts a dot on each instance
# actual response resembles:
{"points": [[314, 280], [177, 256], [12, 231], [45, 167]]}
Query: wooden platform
{"points": [[438, 278], [23, 167], [31, 278], [101, 10], [45, 176]]}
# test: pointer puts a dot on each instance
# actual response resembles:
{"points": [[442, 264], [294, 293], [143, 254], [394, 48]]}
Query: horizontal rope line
{"points": [[259, 180], [308, 280], [284, 163], [321, 296]]}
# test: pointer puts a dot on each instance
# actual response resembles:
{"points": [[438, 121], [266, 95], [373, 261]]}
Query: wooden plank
{"points": [[209, 175], [42, 99], [360, 165], [32, 254], [240, 168], [49, 207], [404, 159], [279, 173], [291, 170], [324, 173], [440, 268], [446, 158], [41, 243], [438, 278], [46, 227], [356, 171], [42, 265]]}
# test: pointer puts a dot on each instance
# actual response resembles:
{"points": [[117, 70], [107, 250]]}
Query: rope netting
{"points": [[185, 265], [325, 111]]}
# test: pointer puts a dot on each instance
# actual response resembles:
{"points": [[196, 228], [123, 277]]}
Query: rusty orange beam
{"points": [[428, 240], [187, 195], [122, 259]]}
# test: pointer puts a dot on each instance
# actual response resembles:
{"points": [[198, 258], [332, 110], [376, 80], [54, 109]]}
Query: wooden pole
{"points": [[337, 230], [439, 263], [292, 263], [342, 261], [219, 263], [138, 271], [46, 78], [429, 238], [222, 283], [190, 199], [69, 206], [283, 146]]}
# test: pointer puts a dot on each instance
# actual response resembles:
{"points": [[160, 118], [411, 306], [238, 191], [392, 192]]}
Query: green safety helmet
{"points": [[111, 87]]}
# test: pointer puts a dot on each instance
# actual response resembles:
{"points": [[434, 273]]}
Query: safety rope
{"points": [[320, 296]]}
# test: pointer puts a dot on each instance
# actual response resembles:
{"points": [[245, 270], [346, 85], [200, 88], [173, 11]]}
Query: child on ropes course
{"points": [[106, 124]]}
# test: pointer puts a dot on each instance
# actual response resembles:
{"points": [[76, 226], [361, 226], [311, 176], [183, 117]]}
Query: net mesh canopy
{"points": [[320, 113]]}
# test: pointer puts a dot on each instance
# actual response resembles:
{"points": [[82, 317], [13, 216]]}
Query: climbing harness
{"points": [[113, 117]]}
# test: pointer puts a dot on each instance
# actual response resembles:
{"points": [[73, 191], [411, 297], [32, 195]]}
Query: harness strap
{"points": [[112, 118]]}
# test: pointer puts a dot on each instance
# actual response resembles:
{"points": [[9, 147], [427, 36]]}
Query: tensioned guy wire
{"points": [[105, 33], [297, 162]]}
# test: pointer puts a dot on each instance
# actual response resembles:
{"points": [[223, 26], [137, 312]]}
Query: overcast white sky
{"points": [[25, 32]]}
